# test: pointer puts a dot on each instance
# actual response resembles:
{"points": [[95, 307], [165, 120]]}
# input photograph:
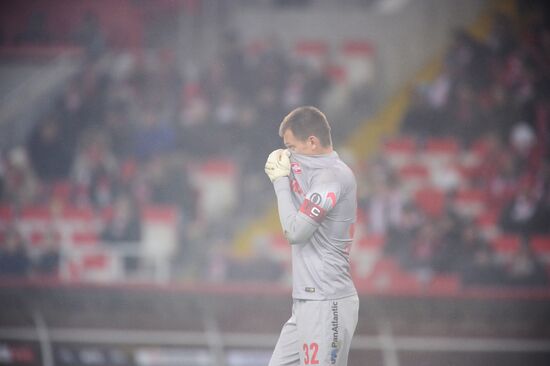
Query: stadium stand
{"points": [[146, 138], [118, 209]]}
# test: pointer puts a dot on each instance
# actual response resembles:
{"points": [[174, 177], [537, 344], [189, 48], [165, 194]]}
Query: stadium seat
{"points": [[357, 59], [36, 238], [84, 238], [430, 200], [506, 245], [6, 213], [313, 52], [414, 171], [438, 150], [470, 202], [399, 150], [488, 222], [441, 146], [388, 276], [366, 252], [36, 213], [71, 213], [445, 283], [95, 261], [371, 242], [62, 190], [541, 246], [414, 176]]}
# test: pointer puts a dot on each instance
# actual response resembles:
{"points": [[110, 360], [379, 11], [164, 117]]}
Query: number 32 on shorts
{"points": [[310, 353]]}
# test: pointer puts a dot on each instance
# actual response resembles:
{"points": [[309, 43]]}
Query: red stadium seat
{"points": [[84, 238], [6, 213], [78, 214], [358, 47], [437, 151], [160, 213], [371, 242], [445, 283], [357, 57], [311, 47], [36, 238], [36, 213], [336, 73], [62, 191], [506, 244], [441, 146], [487, 222], [541, 246], [414, 171], [430, 200], [400, 145], [471, 202], [399, 150], [95, 261], [313, 52], [279, 241]]}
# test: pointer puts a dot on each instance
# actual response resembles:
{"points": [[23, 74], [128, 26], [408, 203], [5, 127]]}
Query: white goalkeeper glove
{"points": [[278, 164]]}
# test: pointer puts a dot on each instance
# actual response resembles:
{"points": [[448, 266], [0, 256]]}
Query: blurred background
{"points": [[137, 226]]}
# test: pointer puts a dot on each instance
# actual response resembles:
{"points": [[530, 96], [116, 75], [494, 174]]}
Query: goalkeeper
{"points": [[316, 199]]}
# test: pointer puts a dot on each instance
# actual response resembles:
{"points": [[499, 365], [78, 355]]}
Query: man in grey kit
{"points": [[316, 198]]}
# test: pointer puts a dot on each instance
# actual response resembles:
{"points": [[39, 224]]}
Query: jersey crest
{"points": [[296, 168]]}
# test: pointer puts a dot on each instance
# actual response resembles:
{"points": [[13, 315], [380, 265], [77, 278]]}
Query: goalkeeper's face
{"points": [[309, 146]]}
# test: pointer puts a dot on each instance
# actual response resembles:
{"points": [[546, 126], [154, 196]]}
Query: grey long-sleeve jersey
{"points": [[317, 207]]}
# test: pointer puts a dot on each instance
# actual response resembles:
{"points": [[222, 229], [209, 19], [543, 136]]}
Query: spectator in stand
{"points": [[35, 32], [96, 169], [47, 264], [14, 259], [384, 206], [525, 269], [400, 235], [20, 184], [450, 227], [169, 184], [542, 214], [125, 224], [89, 35], [465, 115], [483, 269], [3, 176], [47, 150], [470, 242], [520, 214], [154, 136], [423, 250], [421, 120]]}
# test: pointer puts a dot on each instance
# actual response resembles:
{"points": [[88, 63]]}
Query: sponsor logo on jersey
{"points": [[296, 168], [316, 198], [310, 289], [335, 345]]}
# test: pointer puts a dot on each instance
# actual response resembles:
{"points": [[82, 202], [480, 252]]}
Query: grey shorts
{"points": [[317, 333]]}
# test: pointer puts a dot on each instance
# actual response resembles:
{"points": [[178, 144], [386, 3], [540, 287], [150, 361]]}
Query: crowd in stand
{"points": [[124, 136], [128, 129], [492, 97]]}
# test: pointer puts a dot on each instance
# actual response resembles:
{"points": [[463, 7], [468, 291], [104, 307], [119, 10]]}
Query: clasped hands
{"points": [[278, 164]]}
